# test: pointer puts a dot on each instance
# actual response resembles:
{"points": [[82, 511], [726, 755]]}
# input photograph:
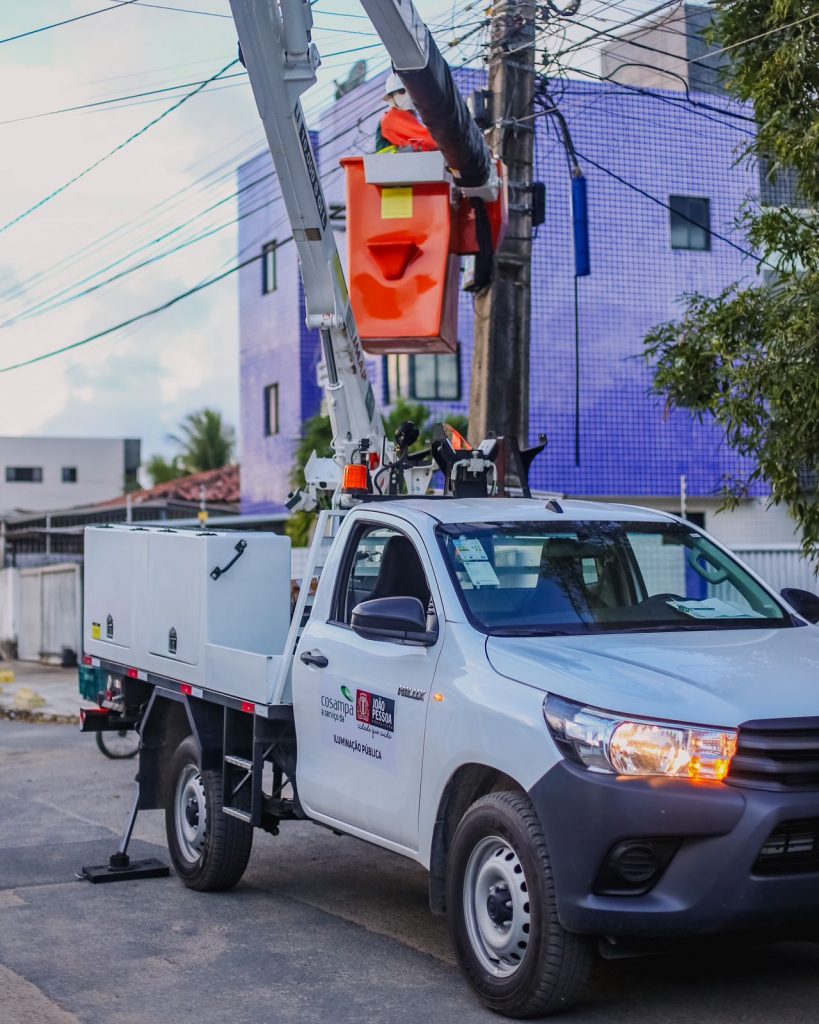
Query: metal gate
{"points": [[50, 612], [780, 565]]}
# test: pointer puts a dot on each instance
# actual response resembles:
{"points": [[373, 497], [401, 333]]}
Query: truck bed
{"points": [[211, 609]]}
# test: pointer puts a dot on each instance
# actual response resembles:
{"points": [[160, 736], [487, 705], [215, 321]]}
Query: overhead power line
{"points": [[638, 17], [666, 206], [180, 10], [116, 99], [66, 21], [57, 299], [139, 316], [762, 35], [177, 298], [116, 149], [139, 221], [60, 265]]}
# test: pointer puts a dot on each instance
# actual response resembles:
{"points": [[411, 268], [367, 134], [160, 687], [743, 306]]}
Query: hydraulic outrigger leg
{"points": [[120, 867]]}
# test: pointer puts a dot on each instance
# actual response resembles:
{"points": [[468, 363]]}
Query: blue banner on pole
{"points": [[580, 225]]}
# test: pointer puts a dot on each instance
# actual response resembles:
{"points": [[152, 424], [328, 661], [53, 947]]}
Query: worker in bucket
{"points": [[400, 128]]}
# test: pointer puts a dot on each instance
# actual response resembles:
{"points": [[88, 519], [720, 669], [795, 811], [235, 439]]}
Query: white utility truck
{"points": [[590, 723]]}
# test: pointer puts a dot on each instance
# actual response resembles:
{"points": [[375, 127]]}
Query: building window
{"points": [[24, 475], [435, 377], [269, 283], [781, 189], [69, 474], [271, 410], [690, 219]]}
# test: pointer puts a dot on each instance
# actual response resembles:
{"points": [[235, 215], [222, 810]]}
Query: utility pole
{"points": [[500, 364]]}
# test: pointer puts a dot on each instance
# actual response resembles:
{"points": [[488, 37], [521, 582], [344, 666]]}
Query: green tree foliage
{"points": [[750, 357], [317, 437], [162, 470], [205, 441]]}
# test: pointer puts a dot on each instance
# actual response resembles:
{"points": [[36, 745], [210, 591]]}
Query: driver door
{"points": [[361, 704]]}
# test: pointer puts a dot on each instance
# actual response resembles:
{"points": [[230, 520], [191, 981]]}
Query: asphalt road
{"points": [[321, 929]]}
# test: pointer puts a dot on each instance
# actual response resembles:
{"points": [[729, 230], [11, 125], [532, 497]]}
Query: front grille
{"points": [[781, 753], [792, 848]]}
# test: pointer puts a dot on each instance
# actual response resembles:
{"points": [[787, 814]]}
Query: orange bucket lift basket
{"points": [[407, 227]]}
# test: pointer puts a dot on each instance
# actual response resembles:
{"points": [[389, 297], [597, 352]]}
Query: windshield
{"points": [[587, 577]]}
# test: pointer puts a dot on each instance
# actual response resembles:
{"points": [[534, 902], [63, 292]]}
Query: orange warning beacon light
{"points": [[356, 479], [456, 439], [407, 226]]}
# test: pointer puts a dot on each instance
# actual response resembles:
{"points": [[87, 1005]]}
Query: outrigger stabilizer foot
{"points": [[120, 867]]}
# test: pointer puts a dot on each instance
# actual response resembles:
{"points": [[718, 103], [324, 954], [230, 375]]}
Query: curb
{"points": [[37, 717]]}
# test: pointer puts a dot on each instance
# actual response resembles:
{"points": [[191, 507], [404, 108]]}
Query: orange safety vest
{"points": [[402, 128]]}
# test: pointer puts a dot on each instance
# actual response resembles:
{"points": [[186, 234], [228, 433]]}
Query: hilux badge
{"points": [[408, 691]]}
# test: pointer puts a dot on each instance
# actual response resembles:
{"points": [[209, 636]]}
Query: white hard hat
{"points": [[393, 84]]}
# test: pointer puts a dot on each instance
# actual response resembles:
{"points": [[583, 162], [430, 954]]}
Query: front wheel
{"points": [[501, 911], [209, 848]]}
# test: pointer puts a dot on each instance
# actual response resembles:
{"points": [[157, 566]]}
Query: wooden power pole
{"points": [[500, 365]]}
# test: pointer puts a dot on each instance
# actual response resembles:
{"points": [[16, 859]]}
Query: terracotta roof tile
{"points": [[221, 488]]}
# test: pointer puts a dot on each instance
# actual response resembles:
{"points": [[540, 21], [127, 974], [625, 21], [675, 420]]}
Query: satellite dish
{"points": [[357, 75]]}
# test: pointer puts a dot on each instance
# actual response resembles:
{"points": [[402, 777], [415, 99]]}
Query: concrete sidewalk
{"points": [[41, 693]]}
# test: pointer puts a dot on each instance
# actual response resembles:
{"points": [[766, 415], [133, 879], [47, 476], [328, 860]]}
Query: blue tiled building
{"points": [[642, 152]]}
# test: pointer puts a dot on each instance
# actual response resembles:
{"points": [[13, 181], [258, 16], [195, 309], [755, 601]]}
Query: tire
{"points": [[209, 848], [118, 745], [518, 959]]}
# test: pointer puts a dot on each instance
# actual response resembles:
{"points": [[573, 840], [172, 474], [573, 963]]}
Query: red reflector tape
{"points": [[247, 706], [186, 689]]}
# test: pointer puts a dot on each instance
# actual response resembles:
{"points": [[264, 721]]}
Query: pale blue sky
{"points": [[141, 381]]}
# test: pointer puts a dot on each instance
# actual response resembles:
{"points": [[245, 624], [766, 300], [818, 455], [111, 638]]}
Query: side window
{"points": [[384, 563]]}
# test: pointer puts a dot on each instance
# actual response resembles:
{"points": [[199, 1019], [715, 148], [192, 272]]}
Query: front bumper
{"points": [[711, 883]]}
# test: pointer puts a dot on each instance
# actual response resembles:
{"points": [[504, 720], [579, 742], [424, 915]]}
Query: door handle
{"points": [[314, 658]]}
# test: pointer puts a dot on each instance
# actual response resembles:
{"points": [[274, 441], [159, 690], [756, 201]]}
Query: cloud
{"points": [[143, 380]]}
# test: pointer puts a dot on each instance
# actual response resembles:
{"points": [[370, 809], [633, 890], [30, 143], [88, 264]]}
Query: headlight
{"points": [[606, 742]]}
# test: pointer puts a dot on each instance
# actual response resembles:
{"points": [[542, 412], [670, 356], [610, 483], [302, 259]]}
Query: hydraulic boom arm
{"points": [[281, 60]]}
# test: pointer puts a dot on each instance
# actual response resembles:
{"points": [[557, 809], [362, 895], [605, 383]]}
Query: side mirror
{"points": [[393, 618], [804, 602]]}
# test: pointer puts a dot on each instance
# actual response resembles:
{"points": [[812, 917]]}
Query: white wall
{"points": [[9, 608], [748, 524], [780, 566], [100, 465]]}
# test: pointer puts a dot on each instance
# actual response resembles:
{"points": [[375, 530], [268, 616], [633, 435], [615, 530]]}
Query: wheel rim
{"points": [[190, 813], [496, 906]]}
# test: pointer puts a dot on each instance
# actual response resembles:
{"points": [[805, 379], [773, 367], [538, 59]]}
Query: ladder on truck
{"points": [[249, 739]]}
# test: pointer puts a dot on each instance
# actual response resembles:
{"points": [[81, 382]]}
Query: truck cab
{"points": [[616, 669]]}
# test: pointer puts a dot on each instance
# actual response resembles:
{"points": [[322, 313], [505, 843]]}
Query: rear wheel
{"points": [[209, 848], [501, 910]]}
